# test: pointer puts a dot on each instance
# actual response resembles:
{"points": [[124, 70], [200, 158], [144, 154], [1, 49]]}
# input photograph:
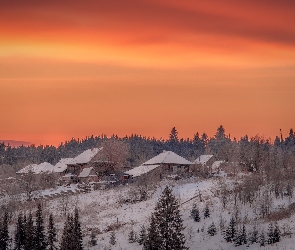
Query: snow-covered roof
{"points": [[216, 164], [37, 169], [143, 169], [44, 167], [202, 159], [86, 156], [167, 157], [85, 172], [27, 169], [62, 165]]}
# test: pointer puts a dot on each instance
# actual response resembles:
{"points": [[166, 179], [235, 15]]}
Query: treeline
{"points": [[252, 152], [30, 233]]}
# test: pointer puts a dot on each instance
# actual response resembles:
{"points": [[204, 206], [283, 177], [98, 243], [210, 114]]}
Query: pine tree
{"points": [[276, 234], [29, 233], [270, 239], [93, 240], [197, 216], [131, 236], [113, 239], [230, 232], [254, 236], [193, 211], [241, 237], [165, 231], [40, 240], [206, 212], [142, 235], [52, 237], [19, 238], [4, 235], [68, 237], [262, 239], [65, 236], [77, 232], [212, 229]]}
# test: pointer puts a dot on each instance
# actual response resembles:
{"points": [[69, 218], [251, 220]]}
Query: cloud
{"points": [[151, 21]]}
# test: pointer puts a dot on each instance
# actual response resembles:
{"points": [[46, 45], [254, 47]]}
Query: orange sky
{"points": [[77, 68]]}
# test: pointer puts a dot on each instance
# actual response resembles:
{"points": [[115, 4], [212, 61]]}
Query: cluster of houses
{"points": [[88, 167]]}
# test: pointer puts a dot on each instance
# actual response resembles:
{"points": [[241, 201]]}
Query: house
{"points": [[61, 166], [167, 161], [88, 175], [205, 160], [76, 165], [44, 167], [215, 168]]}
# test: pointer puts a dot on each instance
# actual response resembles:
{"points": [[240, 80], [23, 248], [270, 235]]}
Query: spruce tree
{"points": [[254, 235], [142, 235], [230, 232], [270, 239], [77, 232], [262, 239], [64, 244], [206, 212], [212, 229], [241, 237], [93, 240], [4, 234], [51, 232], [197, 215], [113, 239], [165, 231], [132, 236], [68, 241], [193, 211], [19, 238], [276, 234], [40, 240], [29, 233]]}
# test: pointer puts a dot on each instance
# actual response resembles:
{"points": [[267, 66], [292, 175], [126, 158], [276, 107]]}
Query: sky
{"points": [[80, 68]]}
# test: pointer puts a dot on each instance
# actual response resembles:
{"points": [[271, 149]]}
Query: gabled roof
{"points": [[167, 157], [44, 167], [143, 169], [85, 172], [62, 165], [27, 169], [202, 159], [86, 156]]}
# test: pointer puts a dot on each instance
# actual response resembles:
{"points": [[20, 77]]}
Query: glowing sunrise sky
{"points": [[77, 68]]}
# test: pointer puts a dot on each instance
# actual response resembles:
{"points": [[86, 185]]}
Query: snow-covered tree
{"points": [[4, 234], [19, 238], [113, 239], [29, 233], [206, 212], [230, 232], [165, 231], [93, 240], [77, 231], [51, 231], [132, 236], [142, 235], [276, 234], [253, 238], [270, 234], [197, 216], [40, 240], [212, 229], [262, 239], [241, 237]]}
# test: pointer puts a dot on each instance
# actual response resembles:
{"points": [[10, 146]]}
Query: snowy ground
{"points": [[103, 210]]}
